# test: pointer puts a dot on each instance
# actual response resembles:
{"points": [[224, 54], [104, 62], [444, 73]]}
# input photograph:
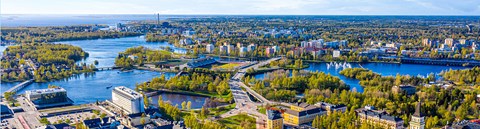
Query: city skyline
{"points": [[245, 7]]}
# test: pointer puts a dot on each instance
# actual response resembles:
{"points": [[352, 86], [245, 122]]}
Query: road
{"points": [[243, 102]]}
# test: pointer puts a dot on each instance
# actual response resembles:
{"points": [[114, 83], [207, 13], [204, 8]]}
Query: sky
{"points": [[248, 7]]}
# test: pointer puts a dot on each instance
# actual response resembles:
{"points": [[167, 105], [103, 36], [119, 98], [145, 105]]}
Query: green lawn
{"points": [[221, 110], [227, 66], [235, 121]]}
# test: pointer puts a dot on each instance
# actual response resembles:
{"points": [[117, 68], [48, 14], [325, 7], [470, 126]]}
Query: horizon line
{"points": [[252, 14]]}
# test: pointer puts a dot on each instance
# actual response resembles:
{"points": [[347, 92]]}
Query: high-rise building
{"points": [[275, 119], [449, 42], [209, 48], [427, 42], [418, 119], [230, 49], [128, 99], [243, 51], [251, 47]]}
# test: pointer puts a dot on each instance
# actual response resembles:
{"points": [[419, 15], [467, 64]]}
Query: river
{"points": [[89, 88], [385, 69]]}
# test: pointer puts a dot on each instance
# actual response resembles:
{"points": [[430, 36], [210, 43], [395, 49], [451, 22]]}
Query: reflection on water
{"points": [[106, 50], [385, 69], [177, 99]]}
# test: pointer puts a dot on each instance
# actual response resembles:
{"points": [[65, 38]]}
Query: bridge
{"points": [[451, 62], [20, 86], [105, 68]]}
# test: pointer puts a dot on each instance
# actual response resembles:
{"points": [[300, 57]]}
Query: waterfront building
{"points": [[369, 115], [209, 48], [128, 100], [408, 90], [301, 113], [449, 42], [336, 54], [51, 97], [275, 119], [418, 118]]}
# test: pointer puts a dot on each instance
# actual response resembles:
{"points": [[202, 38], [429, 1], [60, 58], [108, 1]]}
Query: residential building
{"points": [[408, 90], [223, 49], [101, 123], [51, 97], [449, 42], [369, 115], [209, 48], [276, 49], [243, 51], [301, 113], [269, 51], [336, 53], [251, 47], [418, 118], [275, 119], [129, 100], [427, 42], [343, 43], [230, 49]]}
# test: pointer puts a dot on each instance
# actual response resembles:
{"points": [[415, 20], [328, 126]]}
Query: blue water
{"points": [[385, 69], [106, 50], [16, 20]]}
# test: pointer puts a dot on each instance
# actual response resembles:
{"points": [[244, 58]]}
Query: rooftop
{"points": [[45, 91], [378, 114], [128, 91], [274, 114]]}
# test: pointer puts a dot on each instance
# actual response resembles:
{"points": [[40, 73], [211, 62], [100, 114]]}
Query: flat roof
{"points": [[129, 92], [45, 91]]}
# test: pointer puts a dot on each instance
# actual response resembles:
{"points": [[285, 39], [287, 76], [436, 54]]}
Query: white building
{"points": [[449, 42], [128, 99], [251, 47], [336, 53], [243, 51], [223, 49], [230, 49], [210, 48]]}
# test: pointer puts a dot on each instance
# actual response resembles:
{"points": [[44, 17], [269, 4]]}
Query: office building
{"points": [[449, 42], [129, 100], [301, 113], [275, 119], [51, 97], [209, 48], [369, 115]]}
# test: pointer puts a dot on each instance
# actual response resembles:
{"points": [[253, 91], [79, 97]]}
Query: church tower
{"points": [[418, 119]]}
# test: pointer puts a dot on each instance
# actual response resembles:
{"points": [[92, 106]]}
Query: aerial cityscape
{"points": [[246, 64]]}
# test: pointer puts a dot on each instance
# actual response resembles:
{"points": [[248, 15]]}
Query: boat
{"points": [[108, 87]]}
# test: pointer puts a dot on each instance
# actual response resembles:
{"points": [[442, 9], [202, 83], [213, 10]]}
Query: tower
{"points": [[418, 119]]}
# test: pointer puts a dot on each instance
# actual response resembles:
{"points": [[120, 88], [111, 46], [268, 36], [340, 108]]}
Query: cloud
{"points": [[306, 7]]}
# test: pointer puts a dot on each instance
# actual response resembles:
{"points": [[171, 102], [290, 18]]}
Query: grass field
{"points": [[234, 121], [227, 66]]}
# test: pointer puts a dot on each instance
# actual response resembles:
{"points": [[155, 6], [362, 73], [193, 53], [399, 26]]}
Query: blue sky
{"points": [[302, 7]]}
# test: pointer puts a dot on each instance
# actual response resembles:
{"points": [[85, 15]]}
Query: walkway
{"points": [[20, 86]]}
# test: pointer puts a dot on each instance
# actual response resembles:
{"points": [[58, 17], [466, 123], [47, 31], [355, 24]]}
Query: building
{"points": [[230, 49], [243, 51], [5, 112], [332, 107], [276, 49], [223, 49], [51, 97], [269, 51], [195, 63], [408, 90], [128, 100], [301, 113], [427, 42], [418, 118], [336, 54], [209, 48], [251, 47], [57, 126], [275, 119], [101, 123], [371, 116], [449, 42]]}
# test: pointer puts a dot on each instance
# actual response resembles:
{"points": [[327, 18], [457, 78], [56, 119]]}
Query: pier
{"points": [[20, 86]]}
